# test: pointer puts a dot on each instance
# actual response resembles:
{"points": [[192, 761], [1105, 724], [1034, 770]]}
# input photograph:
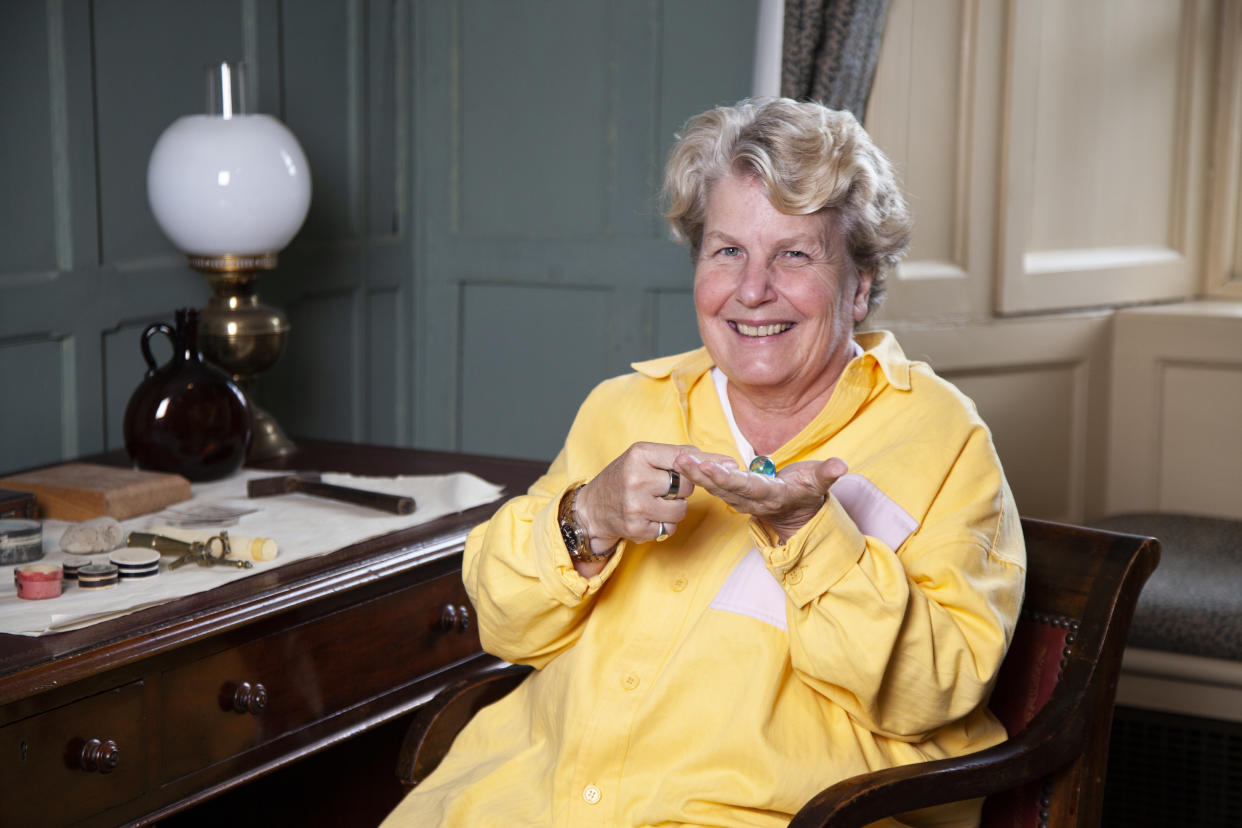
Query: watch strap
{"points": [[574, 535]]}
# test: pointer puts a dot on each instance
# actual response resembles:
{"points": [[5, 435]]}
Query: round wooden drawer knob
{"points": [[249, 698], [455, 618], [100, 755]]}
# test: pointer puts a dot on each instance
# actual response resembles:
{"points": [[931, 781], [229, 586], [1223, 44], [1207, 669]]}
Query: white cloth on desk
{"points": [[303, 526]]}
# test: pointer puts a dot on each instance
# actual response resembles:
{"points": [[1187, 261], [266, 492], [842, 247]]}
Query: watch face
{"points": [[570, 535]]}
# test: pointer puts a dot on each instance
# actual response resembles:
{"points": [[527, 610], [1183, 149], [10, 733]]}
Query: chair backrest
{"points": [[1081, 590]]}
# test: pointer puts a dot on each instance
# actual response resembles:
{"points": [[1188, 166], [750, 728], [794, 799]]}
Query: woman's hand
{"points": [[784, 502], [631, 497]]}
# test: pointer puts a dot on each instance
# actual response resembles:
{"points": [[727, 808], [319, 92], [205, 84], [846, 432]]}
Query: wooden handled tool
{"points": [[310, 483]]}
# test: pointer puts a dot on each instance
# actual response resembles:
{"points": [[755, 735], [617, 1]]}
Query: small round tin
{"points": [[35, 581], [97, 576], [134, 558], [70, 569], [137, 574], [133, 562], [21, 541]]}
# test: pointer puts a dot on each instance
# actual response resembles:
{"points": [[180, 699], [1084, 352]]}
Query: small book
{"points": [[18, 505], [81, 491]]}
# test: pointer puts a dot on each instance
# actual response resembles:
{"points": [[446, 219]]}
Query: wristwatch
{"points": [[577, 543]]}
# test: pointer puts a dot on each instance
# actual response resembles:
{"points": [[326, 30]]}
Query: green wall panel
{"points": [[37, 419], [532, 157], [27, 234], [676, 326], [321, 59], [386, 364], [541, 131], [546, 351], [469, 157], [315, 389], [150, 60]]}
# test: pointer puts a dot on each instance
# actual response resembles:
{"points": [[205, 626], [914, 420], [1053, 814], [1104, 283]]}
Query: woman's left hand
{"points": [[784, 502]]}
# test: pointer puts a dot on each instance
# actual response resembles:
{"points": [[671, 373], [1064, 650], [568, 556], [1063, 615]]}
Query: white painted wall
{"points": [[1056, 155]]}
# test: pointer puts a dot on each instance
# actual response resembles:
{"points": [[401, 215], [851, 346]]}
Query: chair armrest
{"points": [[1052, 740], [437, 723]]}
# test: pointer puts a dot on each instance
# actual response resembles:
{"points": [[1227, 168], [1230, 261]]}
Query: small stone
{"points": [[763, 465], [90, 537]]}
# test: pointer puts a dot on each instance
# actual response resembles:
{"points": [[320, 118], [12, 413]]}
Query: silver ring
{"points": [[674, 484], [663, 536]]}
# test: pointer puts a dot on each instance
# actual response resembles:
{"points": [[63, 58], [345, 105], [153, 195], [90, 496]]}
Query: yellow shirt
{"points": [[718, 679]]}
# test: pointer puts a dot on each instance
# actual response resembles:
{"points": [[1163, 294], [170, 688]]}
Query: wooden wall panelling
{"points": [[1104, 137], [922, 114], [538, 218], [1036, 412], [324, 65], [344, 280], [388, 112], [704, 57], [1200, 452], [537, 358], [145, 79], [146, 75], [387, 365], [1223, 250], [319, 382], [73, 135], [698, 68], [385, 340], [37, 420], [434, 30], [28, 219], [1177, 384], [1041, 385], [534, 155], [36, 362], [55, 285], [676, 325]]}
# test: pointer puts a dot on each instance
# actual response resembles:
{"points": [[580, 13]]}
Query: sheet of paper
{"points": [[303, 526]]}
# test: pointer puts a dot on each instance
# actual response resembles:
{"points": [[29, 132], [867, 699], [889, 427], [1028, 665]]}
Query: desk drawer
{"points": [[80, 759], [258, 691]]}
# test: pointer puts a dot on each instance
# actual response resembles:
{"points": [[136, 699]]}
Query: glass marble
{"points": [[763, 465]]}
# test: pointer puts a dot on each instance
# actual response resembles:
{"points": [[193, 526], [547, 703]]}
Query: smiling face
{"points": [[777, 296]]}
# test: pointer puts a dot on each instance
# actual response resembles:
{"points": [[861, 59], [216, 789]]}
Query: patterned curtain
{"points": [[830, 49]]}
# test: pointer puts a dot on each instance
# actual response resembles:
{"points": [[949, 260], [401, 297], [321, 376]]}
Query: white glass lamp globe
{"points": [[228, 186]]}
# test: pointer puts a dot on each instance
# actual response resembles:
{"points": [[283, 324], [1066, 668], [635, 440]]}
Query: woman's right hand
{"points": [[631, 497]]}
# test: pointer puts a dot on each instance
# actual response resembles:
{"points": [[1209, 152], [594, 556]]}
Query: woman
{"points": [[715, 645]]}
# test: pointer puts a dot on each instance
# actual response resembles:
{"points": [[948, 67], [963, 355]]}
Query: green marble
{"points": [[763, 465]]}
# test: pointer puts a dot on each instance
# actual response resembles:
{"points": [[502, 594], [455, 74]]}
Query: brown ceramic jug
{"points": [[187, 416]]}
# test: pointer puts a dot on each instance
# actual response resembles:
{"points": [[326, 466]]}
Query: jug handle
{"points": [[152, 330]]}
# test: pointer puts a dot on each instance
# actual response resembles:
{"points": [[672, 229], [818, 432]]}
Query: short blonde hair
{"points": [[810, 158]]}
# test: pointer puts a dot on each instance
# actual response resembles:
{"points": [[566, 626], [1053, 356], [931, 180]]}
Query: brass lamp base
{"points": [[268, 439], [244, 337]]}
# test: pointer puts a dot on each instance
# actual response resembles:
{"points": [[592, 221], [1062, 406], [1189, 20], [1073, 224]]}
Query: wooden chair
{"points": [[1054, 694]]}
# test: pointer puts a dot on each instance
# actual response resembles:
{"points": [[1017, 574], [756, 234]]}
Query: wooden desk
{"points": [[195, 697]]}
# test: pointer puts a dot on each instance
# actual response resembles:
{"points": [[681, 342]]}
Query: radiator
{"points": [[1166, 769]]}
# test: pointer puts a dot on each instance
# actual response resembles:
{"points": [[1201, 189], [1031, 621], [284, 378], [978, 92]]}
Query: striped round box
{"points": [[97, 576], [134, 563]]}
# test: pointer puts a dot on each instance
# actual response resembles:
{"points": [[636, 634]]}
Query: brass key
{"points": [[214, 551]]}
